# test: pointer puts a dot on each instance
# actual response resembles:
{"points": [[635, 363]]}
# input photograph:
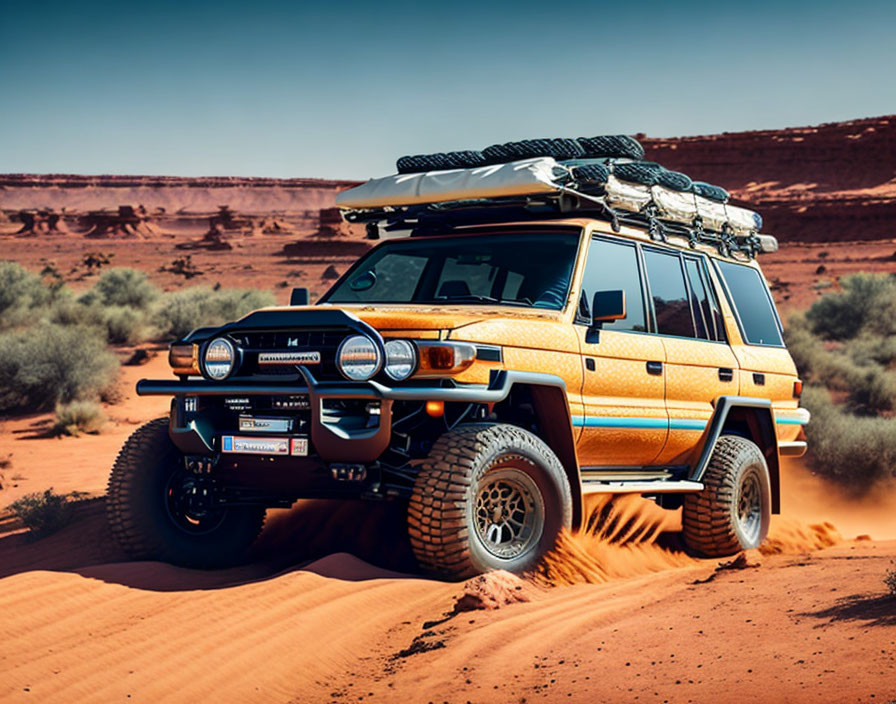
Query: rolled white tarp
{"points": [[516, 178]]}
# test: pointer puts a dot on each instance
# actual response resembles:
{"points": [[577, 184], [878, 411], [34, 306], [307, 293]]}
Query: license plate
{"points": [[234, 444], [250, 424]]}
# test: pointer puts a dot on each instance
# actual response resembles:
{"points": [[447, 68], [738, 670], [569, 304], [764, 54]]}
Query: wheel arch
{"points": [[550, 419], [750, 418]]}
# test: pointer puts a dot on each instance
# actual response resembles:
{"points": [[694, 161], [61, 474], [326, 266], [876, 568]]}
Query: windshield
{"points": [[527, 269]]}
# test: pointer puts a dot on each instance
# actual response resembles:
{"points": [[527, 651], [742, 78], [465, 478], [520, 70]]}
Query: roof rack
{"points": [[621, 191], [425, 219]]}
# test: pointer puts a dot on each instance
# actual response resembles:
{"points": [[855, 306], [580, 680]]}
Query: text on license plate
{"points": [[297, 447]]}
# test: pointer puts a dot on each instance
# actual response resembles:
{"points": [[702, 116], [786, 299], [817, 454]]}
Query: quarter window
{"points": [[669, 293], [613, 266], [751, 300]]}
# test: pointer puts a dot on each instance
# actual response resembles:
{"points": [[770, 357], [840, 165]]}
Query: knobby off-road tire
{"points": [[733, 511], [142, 513], [490, 496]]}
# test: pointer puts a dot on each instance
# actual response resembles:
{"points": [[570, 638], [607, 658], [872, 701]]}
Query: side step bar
{"points": [[640, 487]]}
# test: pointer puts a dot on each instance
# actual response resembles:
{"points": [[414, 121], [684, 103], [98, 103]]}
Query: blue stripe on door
{"points": [[790, 421], [638, 423]]}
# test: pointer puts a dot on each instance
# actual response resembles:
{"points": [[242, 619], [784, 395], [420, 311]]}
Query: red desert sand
{"points": [[329, 610]]}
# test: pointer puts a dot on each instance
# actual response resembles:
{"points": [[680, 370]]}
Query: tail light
{"points": [[798, 388]]}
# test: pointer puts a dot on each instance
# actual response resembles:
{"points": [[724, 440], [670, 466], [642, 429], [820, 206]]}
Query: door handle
{"points": [[655, 368], [726, 374]]}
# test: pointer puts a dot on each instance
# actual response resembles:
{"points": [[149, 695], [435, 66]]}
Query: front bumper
{"points": [[332, 440]]}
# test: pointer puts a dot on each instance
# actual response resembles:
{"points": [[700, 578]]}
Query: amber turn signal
{"points": [[798, 388], [436, 409], [184, 359]]}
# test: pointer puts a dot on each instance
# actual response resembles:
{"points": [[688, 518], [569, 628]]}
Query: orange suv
{"points": [[490, 362]]}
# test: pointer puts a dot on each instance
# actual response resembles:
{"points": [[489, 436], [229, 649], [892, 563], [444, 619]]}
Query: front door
{"points": [[625, 421]]}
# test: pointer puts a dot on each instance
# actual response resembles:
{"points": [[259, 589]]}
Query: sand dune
{"points": [[330, 608], [80, 624]]}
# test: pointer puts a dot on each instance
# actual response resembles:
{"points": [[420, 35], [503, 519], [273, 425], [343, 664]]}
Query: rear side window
{"points": [[704, 305], [753, 304], [669, 293], [613, 266]]}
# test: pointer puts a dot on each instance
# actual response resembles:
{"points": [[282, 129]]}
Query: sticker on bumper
{"points": [[234, 444], [265, 425]]}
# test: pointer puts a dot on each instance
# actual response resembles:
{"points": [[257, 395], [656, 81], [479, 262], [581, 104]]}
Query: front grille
{"points": [[324, 341]]}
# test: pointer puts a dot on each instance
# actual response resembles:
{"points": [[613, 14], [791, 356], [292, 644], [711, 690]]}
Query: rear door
{"points": [[624, 421], [699, 364]]}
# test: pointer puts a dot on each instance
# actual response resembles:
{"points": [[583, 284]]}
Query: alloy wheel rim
{"points": [[749, 508], [508, 513]]}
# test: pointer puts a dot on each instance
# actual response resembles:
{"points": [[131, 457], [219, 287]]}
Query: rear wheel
{"points": [[159, 511], [733, 511], [489, 497]]}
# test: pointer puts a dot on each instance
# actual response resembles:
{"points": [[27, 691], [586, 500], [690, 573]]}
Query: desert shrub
{"points": [[50, 363], [865, 301], [69, 311], [861, 367], [44, 513], [182, 311], [890, 581], [125, 326], [20, 292], [78, 417], [853, 450], [124, 287]]}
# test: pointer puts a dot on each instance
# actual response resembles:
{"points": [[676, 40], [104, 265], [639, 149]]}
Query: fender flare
{"points": [[551, 404], [759, 415]]}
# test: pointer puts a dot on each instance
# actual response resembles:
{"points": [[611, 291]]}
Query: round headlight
{"points": [[358, 358], [400, 359], [219, 359]]}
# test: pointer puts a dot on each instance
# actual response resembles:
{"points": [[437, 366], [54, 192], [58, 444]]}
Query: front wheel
{"points": [[490, 496], [158, 511], [733, 511]]}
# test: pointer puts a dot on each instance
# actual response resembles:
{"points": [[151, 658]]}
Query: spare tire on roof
{"points": [[674, 180], [707, 190], [643, 172], [613, 146], [558, 148], [591, 173], [440, 161]]}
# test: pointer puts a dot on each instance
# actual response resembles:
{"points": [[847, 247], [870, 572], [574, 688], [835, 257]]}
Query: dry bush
{"points": [[20, 293], [125, 287], [45, 513], [49, 364], [79, 417], [890, 581], [866, 301], [182, 311], [853, 450]]}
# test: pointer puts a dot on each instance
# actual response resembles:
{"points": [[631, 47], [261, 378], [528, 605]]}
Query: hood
{"points": [[388, 317]]}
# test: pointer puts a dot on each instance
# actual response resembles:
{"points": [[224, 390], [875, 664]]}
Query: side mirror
{"points": [[299, 297], [607, 306]]}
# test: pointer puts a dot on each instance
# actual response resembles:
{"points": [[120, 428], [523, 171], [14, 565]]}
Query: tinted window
{"points": [[753, 304], [669, 294], [704, 306], [531, 269], [613, 266]]}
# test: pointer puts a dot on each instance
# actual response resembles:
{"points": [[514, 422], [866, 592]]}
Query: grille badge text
{"points": [[289, 358]]}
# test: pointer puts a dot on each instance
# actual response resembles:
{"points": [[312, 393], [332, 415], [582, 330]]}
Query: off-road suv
{"points": [[490, 363]]}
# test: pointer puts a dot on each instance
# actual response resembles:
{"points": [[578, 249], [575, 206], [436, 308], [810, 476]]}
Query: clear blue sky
{"points": [[339, 90]]}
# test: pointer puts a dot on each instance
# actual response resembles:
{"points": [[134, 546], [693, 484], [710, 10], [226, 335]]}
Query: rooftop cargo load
{"points": [[616, 187]]}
